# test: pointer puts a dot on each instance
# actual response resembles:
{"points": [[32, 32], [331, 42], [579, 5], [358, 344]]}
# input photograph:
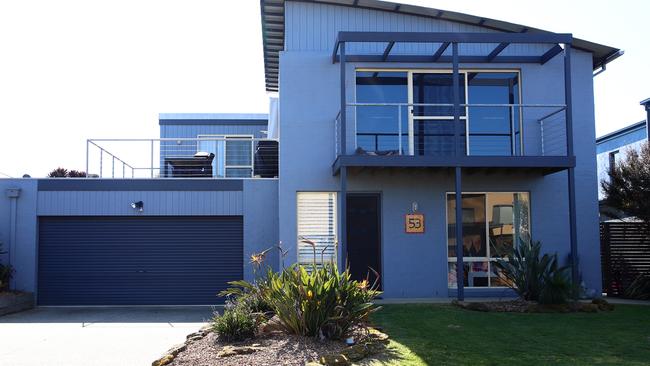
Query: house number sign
{"points": [[414, 223]]}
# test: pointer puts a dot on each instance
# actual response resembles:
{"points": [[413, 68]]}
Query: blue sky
{"points": [[73, 69]]}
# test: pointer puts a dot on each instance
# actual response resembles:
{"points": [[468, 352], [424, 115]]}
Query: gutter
{"points": [[603, 64]]}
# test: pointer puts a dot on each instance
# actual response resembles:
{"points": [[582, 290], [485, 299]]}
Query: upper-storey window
{"points": [[408, 112]]}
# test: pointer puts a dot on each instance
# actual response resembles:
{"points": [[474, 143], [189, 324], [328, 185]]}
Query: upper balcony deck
{"points": [[222, 157], [415, 114]]}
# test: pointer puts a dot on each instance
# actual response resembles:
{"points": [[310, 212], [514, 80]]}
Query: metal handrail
{"points": [[162, 143], [559, 108]]}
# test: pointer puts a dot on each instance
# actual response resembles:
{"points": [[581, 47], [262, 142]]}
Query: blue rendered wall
{"points": [[26, 231], [310, 100]]}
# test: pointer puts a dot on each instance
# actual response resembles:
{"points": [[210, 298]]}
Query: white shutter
{"points": [[317, 222]]}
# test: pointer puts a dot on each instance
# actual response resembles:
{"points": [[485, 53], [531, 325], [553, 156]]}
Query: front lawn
{"points": [[426, 334]]}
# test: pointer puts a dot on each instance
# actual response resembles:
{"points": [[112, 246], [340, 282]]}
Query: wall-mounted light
{"points": [[138, 206], [414, 206]]}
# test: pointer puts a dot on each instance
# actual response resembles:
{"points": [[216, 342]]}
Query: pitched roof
{"points": [[273, 30]]}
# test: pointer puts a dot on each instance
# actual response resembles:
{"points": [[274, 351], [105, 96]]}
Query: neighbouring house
{"points": [[612, 147], [393, 123]]}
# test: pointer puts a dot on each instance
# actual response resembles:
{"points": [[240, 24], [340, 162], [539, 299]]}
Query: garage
{"points": [[130, 260]]}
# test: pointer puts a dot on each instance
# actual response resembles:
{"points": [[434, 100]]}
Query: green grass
{"points": [[425, 334]]}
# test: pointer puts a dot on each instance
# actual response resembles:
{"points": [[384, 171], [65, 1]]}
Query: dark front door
{"points": [[363, 236]]}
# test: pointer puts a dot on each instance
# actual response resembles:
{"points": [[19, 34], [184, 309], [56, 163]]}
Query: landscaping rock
{"points": [[356, 353], [174, 351], [335, 360], [228, 351], [589, 308], [206, 329], [164, 360], [377, 336], [194, 339], [603, 305], [272, 325], [313, 363]]}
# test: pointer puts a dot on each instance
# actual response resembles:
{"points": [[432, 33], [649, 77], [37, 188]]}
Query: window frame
{"points": [[488, 258], [335, 227], [466, 117], [226, 137]]}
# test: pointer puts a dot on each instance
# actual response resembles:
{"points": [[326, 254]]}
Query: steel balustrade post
{"points": [[399, 128], [458, 181], [575, 274], [151, 166]]}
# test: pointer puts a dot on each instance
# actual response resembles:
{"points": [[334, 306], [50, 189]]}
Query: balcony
{"points": [[513, 136], [224, 157]]}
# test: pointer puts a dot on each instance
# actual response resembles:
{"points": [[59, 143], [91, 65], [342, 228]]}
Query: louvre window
{"points": [[317, 223]]}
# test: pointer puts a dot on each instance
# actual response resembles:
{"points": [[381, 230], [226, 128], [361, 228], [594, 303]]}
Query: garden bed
{"points": [[522, 306], [14, 301], [274, 348]]}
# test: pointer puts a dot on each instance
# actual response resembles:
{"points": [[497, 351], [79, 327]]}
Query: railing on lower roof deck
{"points": [[202, 157], [429, 129]]}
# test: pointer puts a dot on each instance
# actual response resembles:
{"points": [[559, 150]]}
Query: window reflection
{"points": [[492, 224]]}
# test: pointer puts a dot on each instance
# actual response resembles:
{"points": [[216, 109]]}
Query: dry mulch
{"points": [[274, 349]]}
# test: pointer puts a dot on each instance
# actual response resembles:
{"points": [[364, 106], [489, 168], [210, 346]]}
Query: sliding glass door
{"points": [[410, 112]]}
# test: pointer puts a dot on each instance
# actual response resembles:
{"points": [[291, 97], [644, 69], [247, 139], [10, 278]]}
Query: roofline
{"points": [[276, 26], [645, 102], [625, 130], [214, 116]]}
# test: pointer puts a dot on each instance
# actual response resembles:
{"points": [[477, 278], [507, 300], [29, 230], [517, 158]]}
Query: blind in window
{"points": [[317, 223]]}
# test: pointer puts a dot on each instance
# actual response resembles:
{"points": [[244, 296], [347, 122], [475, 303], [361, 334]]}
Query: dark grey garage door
{"points": [[138, 260]]}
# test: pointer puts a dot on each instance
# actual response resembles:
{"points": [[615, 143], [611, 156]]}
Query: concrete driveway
{"points": [[92, 336]]}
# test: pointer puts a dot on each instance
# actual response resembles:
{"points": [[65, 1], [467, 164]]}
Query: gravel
{"points": [[274, 349]]}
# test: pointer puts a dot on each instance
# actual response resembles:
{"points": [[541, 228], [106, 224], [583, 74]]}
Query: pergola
{"points": [[557, 42]]}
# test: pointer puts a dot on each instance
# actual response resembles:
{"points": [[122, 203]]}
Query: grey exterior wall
{"points": [[255, 200], [415, 266]]}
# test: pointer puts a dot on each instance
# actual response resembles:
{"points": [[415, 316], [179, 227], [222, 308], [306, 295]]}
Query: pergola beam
{"points": [[389, 47], [497, 50], [443, 47], [548, 55]]}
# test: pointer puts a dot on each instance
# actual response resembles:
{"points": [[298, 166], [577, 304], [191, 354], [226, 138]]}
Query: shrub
{"points": [[236, 323], [6, 272], [248, 295], [320, 301], [534, 277], [640, 288]]}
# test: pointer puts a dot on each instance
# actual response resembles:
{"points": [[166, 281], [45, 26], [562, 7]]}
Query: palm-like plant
{"points": [[534, 277]]}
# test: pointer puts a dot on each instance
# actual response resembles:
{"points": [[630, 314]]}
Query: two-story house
{"points": [[396, 124]]}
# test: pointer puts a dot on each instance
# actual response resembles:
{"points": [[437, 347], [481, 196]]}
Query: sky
{"points": [[72, 70]]}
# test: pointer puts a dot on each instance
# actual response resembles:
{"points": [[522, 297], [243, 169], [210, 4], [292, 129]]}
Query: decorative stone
{"points": [[377, 336], [335, 360], [356, 352], [272, 325], [228, 351], [603, 305], [194, 339], [164, 360], [206, 329], [175, 350], [589, 308]]}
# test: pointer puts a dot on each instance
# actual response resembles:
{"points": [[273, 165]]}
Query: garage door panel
{"points": [[138, 260]]}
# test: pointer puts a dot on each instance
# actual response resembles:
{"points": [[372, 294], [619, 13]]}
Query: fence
{"points": [[625, 254]]}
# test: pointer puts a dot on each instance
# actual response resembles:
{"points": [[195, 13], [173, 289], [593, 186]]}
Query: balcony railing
{"points": [[203, 157], [429, 129]]}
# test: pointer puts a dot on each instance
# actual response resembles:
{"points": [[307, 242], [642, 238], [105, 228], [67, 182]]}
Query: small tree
{"points": [[628, 187]]}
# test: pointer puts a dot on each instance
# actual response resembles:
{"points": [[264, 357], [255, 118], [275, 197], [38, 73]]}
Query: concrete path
{"points": [[95, 336]]}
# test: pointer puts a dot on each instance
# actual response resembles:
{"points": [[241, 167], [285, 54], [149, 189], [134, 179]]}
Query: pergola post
{"points": [[344, 172], [575, 272], [457, 174]]}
